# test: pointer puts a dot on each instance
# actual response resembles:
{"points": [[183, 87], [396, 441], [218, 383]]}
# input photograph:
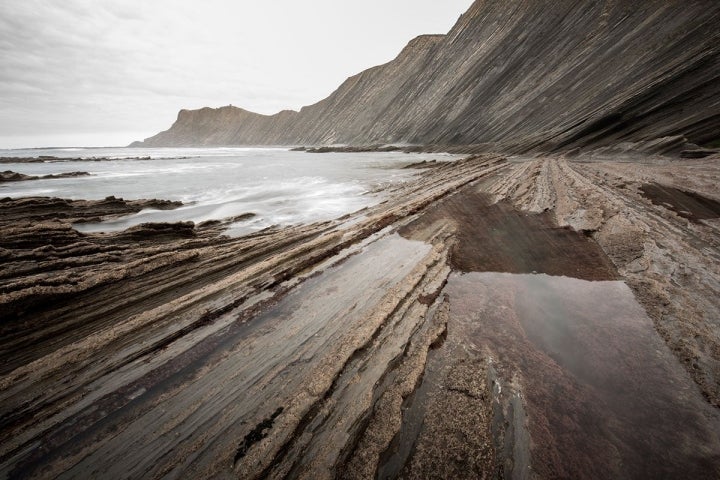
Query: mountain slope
{"points": [[524, 76]]}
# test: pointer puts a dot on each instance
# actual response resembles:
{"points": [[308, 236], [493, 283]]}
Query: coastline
{"points": [[251, 354]]}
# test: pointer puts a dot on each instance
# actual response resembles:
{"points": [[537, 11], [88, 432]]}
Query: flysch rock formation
{"points": [[470, 326], [553, 315], [522, 76]]}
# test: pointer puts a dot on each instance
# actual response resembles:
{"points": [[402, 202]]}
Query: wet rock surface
{"points": [[595, 384], [408, 340], [690, 205], [53, 159], [496, 237], [34, 209], [10, 176]]}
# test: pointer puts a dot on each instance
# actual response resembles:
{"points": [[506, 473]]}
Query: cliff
{"points": [[527, 76]]}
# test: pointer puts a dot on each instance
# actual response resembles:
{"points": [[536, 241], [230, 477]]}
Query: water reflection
{"points": [[605, 396]]}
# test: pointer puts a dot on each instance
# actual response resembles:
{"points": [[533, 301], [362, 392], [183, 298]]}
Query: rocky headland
{"points": [[531, 76], [548, 310]]}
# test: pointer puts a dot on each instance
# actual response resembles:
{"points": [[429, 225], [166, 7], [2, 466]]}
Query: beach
{"points": [[526, 315]]}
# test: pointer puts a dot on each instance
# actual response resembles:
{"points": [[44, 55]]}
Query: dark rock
{"points": [[10, 176], [354, 149], [539, 76], [423, 164], [687, 204], [39, 209], [160, 231], [51, 159], [66, 175], [241, 218], [698, 153]]}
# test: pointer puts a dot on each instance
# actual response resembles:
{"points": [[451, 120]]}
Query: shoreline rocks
{"points": [[336, 330], [10, 176], [53, 159]]}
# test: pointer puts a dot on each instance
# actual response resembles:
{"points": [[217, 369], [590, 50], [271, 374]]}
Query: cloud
{"points": [[108, 66]]}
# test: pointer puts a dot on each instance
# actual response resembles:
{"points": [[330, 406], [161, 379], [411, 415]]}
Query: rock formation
{"points": [[404, 340], [525, 316], [10, 176], [531, 76]]}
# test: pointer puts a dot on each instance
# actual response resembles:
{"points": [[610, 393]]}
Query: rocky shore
{"points": [[10, 176], [547, 317], [53, 159]]}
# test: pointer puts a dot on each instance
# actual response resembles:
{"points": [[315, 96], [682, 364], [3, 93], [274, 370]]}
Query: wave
{"points": [[278, 186]]}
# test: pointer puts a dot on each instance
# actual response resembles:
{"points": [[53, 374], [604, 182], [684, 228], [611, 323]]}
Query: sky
{"points": [[108, 72]]}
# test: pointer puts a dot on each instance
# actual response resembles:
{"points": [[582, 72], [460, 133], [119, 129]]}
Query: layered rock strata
{"points": [[525, 76], [371, 344], [10, 176]]}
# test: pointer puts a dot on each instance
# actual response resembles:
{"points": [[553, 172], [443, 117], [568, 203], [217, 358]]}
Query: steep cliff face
{"points": [[222, 126], [534, 75]]}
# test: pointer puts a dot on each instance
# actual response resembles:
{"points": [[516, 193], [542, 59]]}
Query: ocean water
{"points": [[278, 186]]}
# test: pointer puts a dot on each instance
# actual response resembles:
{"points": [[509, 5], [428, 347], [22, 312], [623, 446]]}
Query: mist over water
{"points": [[278, 186]]}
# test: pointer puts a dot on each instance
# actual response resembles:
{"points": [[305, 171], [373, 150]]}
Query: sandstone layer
{"points": [[470, 326]]}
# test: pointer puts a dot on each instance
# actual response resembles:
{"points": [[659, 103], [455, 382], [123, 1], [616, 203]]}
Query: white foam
{"points": [[277, 185]]}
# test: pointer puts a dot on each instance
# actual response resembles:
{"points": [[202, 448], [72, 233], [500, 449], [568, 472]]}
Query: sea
{"points": [[277, 185]]}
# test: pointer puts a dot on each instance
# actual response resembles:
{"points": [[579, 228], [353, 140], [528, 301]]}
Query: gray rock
{"points": [[521, 76]]}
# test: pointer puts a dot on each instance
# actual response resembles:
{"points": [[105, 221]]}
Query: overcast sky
{"points": [[106, 72]]}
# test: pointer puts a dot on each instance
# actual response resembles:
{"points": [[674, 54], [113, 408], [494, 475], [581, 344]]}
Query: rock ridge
{"points": [[522, 77]]}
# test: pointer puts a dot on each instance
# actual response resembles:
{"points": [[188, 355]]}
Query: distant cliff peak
{"points": [[518, 76]]}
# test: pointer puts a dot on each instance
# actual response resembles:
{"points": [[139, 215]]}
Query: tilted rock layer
{"points": [[521, 76], [406, 340]]}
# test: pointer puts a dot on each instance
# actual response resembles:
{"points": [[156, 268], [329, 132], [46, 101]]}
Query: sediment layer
{"points": [[515, 77], [348, 348]]}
